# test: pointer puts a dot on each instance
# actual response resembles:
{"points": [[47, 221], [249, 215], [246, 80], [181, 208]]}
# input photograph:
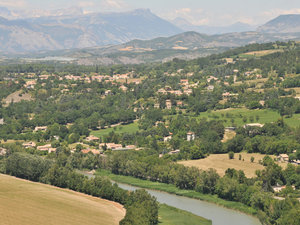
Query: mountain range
{"points": [[66, 32], [138, 36]]}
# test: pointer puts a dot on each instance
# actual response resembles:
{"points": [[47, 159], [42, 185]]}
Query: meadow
{"points": [[28, 203], [168, 215], [236, 116], [129, 128]]}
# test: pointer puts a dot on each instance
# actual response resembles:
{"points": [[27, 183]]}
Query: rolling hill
{"points": [[282, 24]]}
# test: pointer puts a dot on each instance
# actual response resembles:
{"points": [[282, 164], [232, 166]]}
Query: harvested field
{"points": [[221, 162], [28, 203]]}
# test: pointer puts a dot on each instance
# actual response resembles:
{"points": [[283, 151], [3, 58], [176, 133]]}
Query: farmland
{"points": [[221, 162], [24, 202]]}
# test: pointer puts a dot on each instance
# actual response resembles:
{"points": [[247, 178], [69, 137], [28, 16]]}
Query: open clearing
{"points": [[27, 203], [15, 97], [258, 115], [261, 53], [221, 162], [130, 128]]}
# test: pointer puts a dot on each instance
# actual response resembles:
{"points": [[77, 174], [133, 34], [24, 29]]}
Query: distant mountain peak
{"points": [[289, 23]]}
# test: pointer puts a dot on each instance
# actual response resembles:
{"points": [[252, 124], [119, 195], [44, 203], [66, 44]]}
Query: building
{"points": [[168, 138], [44, 128], [168, 104], [253, 125], [174, 152], [92, 138], [190, 136], [156, 105], [3, 151], [46, 148], [210, 87], [30, 144], [94, 151], [283, 158]]}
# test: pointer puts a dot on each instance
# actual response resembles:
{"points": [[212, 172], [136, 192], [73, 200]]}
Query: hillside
{"points": [[188, 45], [282, 24], [24, 202], [80, 31]]}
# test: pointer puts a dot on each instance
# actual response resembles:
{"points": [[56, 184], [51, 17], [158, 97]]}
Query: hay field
{"points": [[27, 203], [221, 162]]}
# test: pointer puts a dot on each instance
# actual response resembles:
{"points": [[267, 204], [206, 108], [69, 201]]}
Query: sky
{"points": [[197, 12]]}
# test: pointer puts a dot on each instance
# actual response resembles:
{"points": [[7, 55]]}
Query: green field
{"points": [[130, 128], [170, 188], [237, 115], [172, 216]]}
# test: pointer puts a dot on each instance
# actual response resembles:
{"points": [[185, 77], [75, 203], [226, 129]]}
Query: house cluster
{"points": [[116, 147], [94, 151], [44, 148], [2, 151], [228, 95]]}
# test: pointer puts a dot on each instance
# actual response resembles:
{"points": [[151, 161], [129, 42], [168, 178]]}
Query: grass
{"points": [[27, 203], [260, 53], [14, 97], [130, 128], [172, 216], [221, 162], [172, 189], [263, 116]]}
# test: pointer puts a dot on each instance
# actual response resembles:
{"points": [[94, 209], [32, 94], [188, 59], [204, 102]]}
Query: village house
{"points": [[156, 105], [168, 138], [253, 125], [174, 152], [179, 103], [43, 128], [283, 158], [168, 104], [1, 121], [184, 82], [46, 148], [123, 88], [107, 92], [92, 138], [30, 84], [188, 91], [2, 151], [30, 144], [278, 188], [190, 136], [211, 78], [94, 151], [210, 87]]}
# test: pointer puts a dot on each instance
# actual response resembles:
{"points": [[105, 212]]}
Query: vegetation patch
{"points": [[130, 128], [168, 215]]}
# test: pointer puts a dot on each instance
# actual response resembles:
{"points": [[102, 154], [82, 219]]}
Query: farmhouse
{"points": [[46, 148], [94, 151], [253, 125], [190, 136], [2, 151], [283, 158], [168, 104], [44, 128], [30, 144], [92, 138], [174, 152]]}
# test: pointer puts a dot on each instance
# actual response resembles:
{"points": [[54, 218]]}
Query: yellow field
{"points": [[221, 162], [263, 52], [27, 203]]}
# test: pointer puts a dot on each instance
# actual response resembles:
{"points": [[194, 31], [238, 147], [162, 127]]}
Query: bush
{"points": [[231, 155]]}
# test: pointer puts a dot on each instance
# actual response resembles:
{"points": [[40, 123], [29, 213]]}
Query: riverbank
{"points": [[168, 215], [172, 189]]}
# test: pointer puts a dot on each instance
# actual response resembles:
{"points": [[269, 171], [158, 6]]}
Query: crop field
{"points": [[235, 116], [130, 128], [27, 203], [221, 162], [260, 53]]}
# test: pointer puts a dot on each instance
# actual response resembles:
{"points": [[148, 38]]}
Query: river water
{"points": [[217, 214]]}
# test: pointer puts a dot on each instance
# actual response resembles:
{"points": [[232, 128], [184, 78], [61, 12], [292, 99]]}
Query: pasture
{"points": [[129, 128], [28, 203]]}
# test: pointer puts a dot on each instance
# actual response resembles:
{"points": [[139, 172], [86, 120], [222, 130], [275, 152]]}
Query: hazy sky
{"points": [[200, 12]]}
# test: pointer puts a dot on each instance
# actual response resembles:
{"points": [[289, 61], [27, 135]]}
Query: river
{"points": [[217, 214]]}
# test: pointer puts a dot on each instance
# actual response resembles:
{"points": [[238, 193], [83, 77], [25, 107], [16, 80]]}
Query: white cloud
{"points": [[113, 4], [85, 4], [13, 4], [183, 11]]}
